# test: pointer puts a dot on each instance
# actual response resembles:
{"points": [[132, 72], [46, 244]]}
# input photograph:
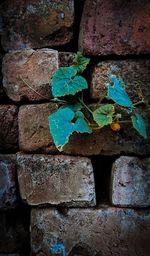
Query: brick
{"points": [[34, 136], [56, 180], [91, 232], [66, 59], [112, 27], [130, 182], [14, 232], [36, 24], [8, 127], [135, 74], [8, 182], [34, 67]]}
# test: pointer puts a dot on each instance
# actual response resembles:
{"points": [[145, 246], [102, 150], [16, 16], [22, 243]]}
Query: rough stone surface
{"points": [[8, 127], [14, 232], [131, 182], [34, 136], [66, 59], [32, 67], [56, 180], [115, 27], [135, 74], [91, 232], [8, 184], [36, 24]]}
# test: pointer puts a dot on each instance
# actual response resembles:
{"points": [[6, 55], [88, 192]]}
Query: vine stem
{"points": [[138, 103], [82, 102], [44, 97]]}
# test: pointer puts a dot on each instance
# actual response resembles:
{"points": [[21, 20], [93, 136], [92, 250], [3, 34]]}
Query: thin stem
{"points": [[86, 106], [124, 121], [100, 100], [44, 97], [139, 102]]}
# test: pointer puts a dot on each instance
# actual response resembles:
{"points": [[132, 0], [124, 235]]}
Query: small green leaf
{"points": [[103, 115], [139, 125], [66, 82], [81, 62], [81, 125], [64, 122], [117, 93]]}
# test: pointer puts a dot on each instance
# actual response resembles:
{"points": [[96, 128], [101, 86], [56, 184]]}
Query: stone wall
{"points": [[94, 197]]}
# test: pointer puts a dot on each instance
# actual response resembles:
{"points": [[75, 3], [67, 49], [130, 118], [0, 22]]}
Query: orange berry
{"points": [[115, 127]]}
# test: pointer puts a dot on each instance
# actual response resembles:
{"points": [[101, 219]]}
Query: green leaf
{"points": [[64, 122], [81, 62], [103, 115], [66, 82], [139, 125], [117, 93]]}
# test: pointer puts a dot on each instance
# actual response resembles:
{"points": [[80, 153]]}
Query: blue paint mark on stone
{"points": [[62, 15], [58, 248]]}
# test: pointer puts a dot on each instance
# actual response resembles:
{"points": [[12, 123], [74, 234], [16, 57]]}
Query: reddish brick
{"points": [[135, 74], [34, 136], [8, 182], [56, 180], [115, 27], [35, 68], [36, 24], [8, 127], [91, 232], [131, 182]]}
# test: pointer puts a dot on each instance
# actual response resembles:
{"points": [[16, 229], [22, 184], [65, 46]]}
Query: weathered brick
{"points": [[8, 182], [34, 132], [34, 67], [131, 182], [34, 136], [65, 180], [115, 27], [135, 74], [8, 127], [91, 232], [14, 232], [36, 24], [66, 59]]}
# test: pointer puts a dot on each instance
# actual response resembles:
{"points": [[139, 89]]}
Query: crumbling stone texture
{"points": [[115, 27], [34, 135], [131, 182], [36, 24], [27, 72], [56, 180], [92, 232], [8, 128], [8, 182], [135, 74]]}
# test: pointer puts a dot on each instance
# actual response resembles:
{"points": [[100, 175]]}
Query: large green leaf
{"points": [[64, 122], [81, 62], [103, 115], [139, 125], [117, 92], [66, 82]]}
